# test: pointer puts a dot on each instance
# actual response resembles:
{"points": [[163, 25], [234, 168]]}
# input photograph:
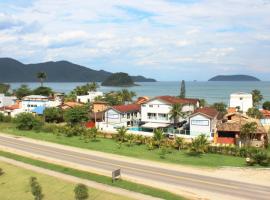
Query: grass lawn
{"points": [[91, 176], [137, 151], [15, 185]]}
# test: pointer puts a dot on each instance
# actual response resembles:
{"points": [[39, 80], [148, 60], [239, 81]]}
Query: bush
{"points": [[27, 121], [53, 115], [49, 128], [199, 145], [36, 189], [77, 115], [81, 192], [1, 172], [260, 157], [4, 118]]}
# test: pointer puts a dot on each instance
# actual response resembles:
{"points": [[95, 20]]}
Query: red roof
{"points": [[127, 108], [175, 100], [266, 113], [210, 112]]}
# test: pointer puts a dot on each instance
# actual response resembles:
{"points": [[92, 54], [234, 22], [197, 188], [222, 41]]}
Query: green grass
{"points": [[95, 177], [15, 185], [136, 151]]}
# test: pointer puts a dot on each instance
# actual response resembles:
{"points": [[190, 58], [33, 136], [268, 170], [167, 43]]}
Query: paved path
{"points": [[98, 186], [158, 176]]}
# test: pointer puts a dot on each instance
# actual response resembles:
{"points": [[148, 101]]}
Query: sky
{"points": [[169, 40]]}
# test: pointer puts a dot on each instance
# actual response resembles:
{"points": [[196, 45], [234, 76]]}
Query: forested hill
{"points": [[234, 78], [61, 71]]}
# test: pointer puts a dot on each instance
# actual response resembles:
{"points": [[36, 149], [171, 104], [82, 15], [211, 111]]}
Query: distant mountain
{"points": [[61, 71], [234, 78], [118, 79]]}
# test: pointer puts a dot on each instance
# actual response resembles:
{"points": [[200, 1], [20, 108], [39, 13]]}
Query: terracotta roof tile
{"points": [[211, 112], [127, 108], [175, 100]]}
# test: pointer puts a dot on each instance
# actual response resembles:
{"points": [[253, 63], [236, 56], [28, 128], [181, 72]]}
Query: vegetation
{"points": [[121, 134], [45, 91], [220, 107], [247, 132], [257, 98], [254, 113], [1, 172], [158, 137], [41, 76], [22, 91], [176, 113], [53, 115], [183, 90], [203, 102], [85, 175], [266, 105], [36, 188], [118, 79], [125, 96], [15, 183], [77, 115], [4, 88], [27, 121], [81, 192], [199, 145], [84, 89]]}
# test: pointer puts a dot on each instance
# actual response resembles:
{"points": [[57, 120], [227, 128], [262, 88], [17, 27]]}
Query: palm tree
{"points": [[125, 95], [158, 137], [179, 142], [176, 113], [121, 134], [248, 131], [93, 86], [199, 144], [41, 76]]}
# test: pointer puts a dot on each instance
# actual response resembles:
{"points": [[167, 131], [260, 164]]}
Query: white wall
{"points": [[29, 105], [244, 101], [159, 107], [6, 101], [88, 98], [200, 124]]}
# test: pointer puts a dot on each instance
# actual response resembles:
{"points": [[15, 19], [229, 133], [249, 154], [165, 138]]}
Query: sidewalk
{"points": [[74, 179]]}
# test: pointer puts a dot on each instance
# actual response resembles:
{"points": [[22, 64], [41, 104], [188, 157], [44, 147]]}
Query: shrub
{"points": [[36, 189], [53, 115], [260, 157], [81, 192], [76, 115], [4, 118], [199, 145], [27, 121], [49, 128], [1, 172]]}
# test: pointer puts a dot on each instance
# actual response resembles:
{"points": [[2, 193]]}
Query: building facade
{"points": [[242, 101], [90, 97]]}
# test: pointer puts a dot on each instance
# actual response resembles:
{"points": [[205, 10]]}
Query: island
{"points": [[119, 79], [234, 78]]}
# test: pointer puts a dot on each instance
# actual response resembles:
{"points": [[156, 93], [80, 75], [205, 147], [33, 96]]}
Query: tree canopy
{"points": [[183, 89], [22, 91], [118, 79], [257, 97]]}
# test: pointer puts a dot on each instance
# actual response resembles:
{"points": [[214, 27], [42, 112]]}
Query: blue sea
{"points": [[210, 91]]}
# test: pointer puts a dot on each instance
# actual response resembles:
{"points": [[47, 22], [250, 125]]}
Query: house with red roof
{"points": [[123, 115], [155, 113], [203, 121]]}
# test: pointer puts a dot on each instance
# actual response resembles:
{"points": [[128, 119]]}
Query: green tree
{"points": [[42, 77], [22, 91], [257, 97], [125, 95], [254, 113], [158, 137], [36, 189], [203, 102], [183, 89], [199, 145], [27, 121], [176, 113], [53, 115], [266, 105], [247, 132], [4, 88], [220, 107], [121, 134], [179, 142], [76, 115], [45, 91], [84, 89], [81, 192]]}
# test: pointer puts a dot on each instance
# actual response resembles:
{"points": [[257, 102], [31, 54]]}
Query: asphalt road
{"points": [[170, 177]]}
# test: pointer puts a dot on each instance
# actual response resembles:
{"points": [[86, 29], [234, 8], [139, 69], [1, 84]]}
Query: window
{"points": [[143, 105], [241, 98], [200, 122], [151, 106], [128, 115], [151, 115]]}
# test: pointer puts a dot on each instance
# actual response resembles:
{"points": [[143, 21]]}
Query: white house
{"points": [[89, 98], [203, 121], [7, 100], [29, 103], [155, 113], [241, 100], [122, 115]]}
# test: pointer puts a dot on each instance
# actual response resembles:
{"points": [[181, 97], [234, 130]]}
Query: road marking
{"points": [[124, 166]]}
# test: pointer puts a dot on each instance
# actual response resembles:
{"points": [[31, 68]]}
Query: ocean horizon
{"points": [[216, 91]]}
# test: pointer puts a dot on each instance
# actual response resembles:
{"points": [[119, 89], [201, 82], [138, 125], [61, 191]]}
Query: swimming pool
{"points": [[135, 129]]}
